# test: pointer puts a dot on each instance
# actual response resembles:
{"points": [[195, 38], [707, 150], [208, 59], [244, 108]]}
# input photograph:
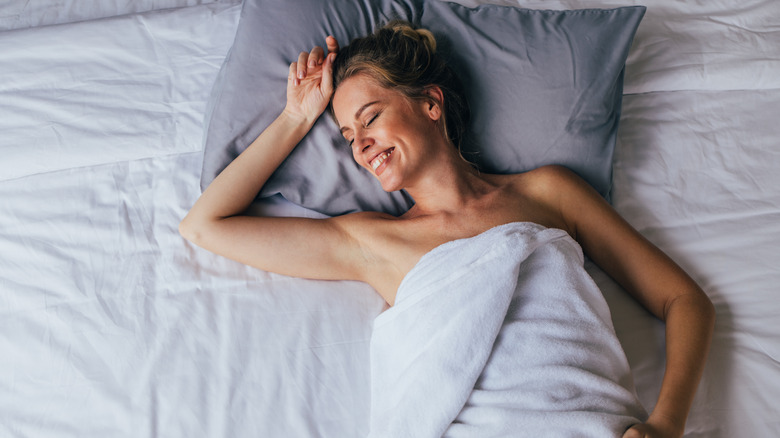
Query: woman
{"points": [[400, 109]]}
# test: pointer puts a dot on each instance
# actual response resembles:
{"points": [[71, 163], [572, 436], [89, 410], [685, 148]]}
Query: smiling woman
{"points": [[404, 59], [385, 128], [401, 110]]}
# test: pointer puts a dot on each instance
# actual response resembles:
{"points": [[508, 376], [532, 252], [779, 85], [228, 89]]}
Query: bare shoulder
{"points": [[371, 230], [580, 205], [552, 181], [381, 236], [544, 183], [553, 195], [365, 225], [387, 248], [362, 228]]}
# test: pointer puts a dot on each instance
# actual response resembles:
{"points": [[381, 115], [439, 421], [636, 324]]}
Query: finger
{"points": [[333, 45], [291, 75], [302, 58], [327, 74], [316, 56]]}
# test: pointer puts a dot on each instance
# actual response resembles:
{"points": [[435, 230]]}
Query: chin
{"points": [[390, 186], [390, 189]]}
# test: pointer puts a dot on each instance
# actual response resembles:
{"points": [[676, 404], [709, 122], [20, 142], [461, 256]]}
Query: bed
{"points": [[113, 325]]}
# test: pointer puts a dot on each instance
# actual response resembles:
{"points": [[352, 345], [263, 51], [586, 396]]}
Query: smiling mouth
{"points": [[380, 158]]}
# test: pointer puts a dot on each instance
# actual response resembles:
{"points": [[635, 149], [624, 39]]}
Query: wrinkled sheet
{"points": [[112, 325], [24, 14], [112, 90]]}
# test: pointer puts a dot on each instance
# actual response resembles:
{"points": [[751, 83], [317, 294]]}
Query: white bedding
{"points": [[112, 325], [546, 361]]}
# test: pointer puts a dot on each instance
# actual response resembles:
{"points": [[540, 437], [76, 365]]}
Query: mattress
{"points": [[113, 325]]}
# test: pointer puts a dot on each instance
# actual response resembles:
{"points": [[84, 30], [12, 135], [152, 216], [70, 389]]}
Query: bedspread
{"points": [[112, 325]]}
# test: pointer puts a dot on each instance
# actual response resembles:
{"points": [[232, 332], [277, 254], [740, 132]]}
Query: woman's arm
{"points": [[655, 281], [293, 246]]}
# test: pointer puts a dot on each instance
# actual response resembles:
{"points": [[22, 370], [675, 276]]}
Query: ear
{"points": [[434, 104]]}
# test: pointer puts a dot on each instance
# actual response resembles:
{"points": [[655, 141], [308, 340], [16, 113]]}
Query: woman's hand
{"points": [[310, 82], [654, 429]]}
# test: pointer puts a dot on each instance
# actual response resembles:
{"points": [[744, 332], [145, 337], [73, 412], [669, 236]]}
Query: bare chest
{"points": [[400, 247]]}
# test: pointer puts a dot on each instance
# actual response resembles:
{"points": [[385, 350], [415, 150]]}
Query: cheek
{"points": [[418, 122]]}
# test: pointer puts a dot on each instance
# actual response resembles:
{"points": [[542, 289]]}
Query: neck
{"points": [[447, 188]]}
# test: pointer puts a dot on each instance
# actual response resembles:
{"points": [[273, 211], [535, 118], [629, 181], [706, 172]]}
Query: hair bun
{"points": [[406, 30]]}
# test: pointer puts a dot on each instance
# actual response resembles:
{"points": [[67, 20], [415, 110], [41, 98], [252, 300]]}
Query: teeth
{"points": [[380, 159]]}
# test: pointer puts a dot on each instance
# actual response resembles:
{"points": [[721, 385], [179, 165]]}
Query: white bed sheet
{"points": [[696, 173], [21, 14], [112, 325], [111, 90]]}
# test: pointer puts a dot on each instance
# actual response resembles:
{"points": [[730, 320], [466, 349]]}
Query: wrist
{"points": [[298, 119], [667, 425]]}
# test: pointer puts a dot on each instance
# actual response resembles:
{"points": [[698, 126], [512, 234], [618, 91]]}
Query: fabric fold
{"points": [[501, 333]]}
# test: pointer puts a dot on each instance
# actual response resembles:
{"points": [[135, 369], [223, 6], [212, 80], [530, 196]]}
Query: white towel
{"points": [[501, 334]]}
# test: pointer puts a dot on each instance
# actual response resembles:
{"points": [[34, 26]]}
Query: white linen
{"points": [[112, 325], [110, 90], [23, 14], [501, 334], [696, 173]]}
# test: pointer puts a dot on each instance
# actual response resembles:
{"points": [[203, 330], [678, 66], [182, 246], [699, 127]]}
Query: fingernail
{"points": [[300, 75]]}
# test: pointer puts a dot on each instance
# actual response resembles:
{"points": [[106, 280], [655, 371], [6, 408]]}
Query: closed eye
{"points": [[365, 125], [371, 120], [344, 132]]}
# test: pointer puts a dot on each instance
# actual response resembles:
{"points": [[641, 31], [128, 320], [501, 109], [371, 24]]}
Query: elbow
{"points": [[705, 307], [707, 316], [709, 312], [700, 306], [694, 304], [189, 230], [200, 230]]}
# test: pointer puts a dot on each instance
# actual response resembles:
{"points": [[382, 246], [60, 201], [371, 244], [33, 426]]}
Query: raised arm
{"points": [[655, 281], [293, 246]]}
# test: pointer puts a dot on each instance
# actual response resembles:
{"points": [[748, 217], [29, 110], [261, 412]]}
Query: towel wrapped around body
{"points": [[501, 334]]}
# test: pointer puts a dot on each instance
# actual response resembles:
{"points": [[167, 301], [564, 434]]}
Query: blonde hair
{"points": [[403, 58]]}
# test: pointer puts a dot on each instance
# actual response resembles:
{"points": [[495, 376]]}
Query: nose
{"points": [[362, 141]]}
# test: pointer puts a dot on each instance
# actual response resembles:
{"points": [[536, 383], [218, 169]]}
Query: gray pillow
{"points": [[545, 87]]}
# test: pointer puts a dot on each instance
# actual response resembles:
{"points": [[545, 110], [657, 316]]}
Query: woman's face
{"points": [[391, 135]]}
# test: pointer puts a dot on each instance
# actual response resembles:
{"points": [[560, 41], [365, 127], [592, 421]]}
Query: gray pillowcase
{"points": [[545, 87]]}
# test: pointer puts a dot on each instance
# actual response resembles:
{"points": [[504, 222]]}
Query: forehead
{"points": [[356, 91]]}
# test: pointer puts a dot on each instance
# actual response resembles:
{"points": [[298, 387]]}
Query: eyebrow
{"points": [[359, 112]]}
